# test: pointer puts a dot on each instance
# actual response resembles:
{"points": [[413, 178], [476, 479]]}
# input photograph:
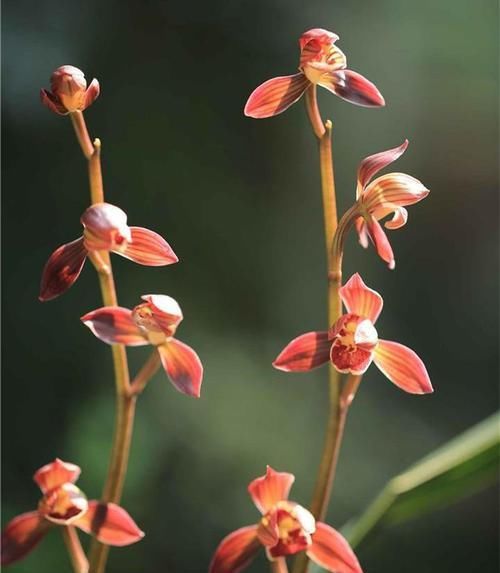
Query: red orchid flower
{"points": [[284, 529], [321, 63], [105, 229], [69, 91], [65, 504], [352, 343], [152, 322], [388, 194]]}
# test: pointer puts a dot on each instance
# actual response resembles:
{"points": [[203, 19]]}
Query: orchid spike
{"points": [[388, 194], [69, 91], [321, 63], [63, 504], [155, 322], [352, 343], [286, 528], [105, 229]]}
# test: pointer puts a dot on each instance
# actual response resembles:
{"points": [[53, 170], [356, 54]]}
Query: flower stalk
{"points": [[334, 239], [75, 550], [279, 566]]}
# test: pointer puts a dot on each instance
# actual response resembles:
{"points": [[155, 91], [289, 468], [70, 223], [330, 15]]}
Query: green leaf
{"points": [[463, 466]]}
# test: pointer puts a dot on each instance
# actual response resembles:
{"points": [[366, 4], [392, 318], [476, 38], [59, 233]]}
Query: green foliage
{"points": [[459, 468]]}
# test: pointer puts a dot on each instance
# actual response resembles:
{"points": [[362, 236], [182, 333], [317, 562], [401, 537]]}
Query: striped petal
{"points": [[332, 552], [62, 269], [236, 551], [374, 163], [110, 524], [114, 325], [352, 87], [55, 474], [403, 367], [49, 100], [21, 536], [92, 93], [380, 241], [393, 190], [183, 366], [304, 353], [399, 216], [266, 491], [148, 248], [275, 96], [361, 300]]}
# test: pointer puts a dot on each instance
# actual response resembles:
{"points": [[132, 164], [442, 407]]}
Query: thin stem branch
{"points": [[125, 403], [148, 370], [75, 550], [82, 133], [279, 565]]}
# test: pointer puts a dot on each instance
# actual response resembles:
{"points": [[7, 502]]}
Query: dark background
{"points": [[239, 201]]}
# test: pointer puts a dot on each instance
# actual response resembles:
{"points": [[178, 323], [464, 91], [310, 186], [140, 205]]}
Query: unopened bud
{"points": [[69, 91]]}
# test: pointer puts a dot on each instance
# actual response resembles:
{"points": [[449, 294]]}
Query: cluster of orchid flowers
{"points": [[350, 345]]}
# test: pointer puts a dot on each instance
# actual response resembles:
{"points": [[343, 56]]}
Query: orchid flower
{"points": [[65, 504], [69, 91], [105, 229], [285, 528], [352, 344], [387, 194], [152, 322], [321, 63]]}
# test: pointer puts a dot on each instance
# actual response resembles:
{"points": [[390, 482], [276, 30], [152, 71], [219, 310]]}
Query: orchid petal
{"points": [[362, 232], [347, 361], [374, 163], [236, 551], [106, 228], [393, 189], [114, 325], [110, 524], [266, 491], [92, 93], [275, 96], [183, 366], [55, 474], [314, 58], [352, 87], [398, 220], [49, 100], [331, 551], [381, 242], [148, 248], [360, 299], [268, 530], [403, 367], [319, 35], [62, 269], [21, 535], [304, 353]]}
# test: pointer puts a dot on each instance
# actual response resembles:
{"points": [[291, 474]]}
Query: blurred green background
{"points": [[239, 201]]}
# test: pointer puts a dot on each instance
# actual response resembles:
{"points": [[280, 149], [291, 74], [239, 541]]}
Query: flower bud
{"points": [[69, 91]]}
